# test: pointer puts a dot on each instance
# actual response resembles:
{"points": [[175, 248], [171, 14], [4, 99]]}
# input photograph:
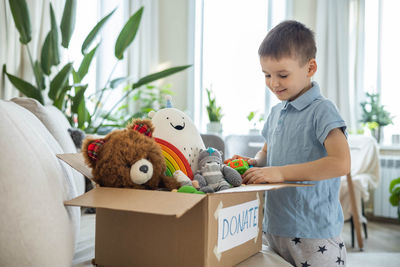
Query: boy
{"points": [[305, 141]]}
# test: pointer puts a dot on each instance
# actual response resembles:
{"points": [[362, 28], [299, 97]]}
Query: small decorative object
{"points": [[214, 115], [213, 175], [188, 189], [128, 158], [77, 136], [254, 122], [374, 115], [394, 198], [240, 165], [178, 131]]}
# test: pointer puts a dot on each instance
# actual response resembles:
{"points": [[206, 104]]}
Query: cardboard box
{"points": [[157, 228]]}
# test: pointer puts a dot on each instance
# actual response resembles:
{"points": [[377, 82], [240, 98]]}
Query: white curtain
{"points": [[143, 57], [12, 53], [332, 37], [340, 53]]}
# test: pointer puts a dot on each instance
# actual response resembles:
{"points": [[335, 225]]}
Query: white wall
{"points": [[173, 45]]}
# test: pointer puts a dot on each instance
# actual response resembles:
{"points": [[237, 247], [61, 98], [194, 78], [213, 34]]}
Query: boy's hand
{"points": [[263, 175]]}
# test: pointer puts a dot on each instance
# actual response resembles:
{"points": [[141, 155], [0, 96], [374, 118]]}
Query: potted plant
{"points": [[374, 115], [214, 115], [66, 88], [254, 122], [394, 198], [143, 100]]}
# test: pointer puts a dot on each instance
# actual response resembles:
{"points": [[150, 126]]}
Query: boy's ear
{"points": [[312, 67]]}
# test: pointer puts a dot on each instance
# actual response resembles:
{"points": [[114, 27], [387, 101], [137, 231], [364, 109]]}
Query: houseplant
{"points": [[252, 118], [374, 115], [66, 88], [142, 101], [214, 114], [394, 189]]}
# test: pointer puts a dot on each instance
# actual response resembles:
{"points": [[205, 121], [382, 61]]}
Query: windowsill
{"points": [[389, 149]]}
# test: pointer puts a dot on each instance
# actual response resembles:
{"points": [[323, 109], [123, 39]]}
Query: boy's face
{"points": [[287, 78]]}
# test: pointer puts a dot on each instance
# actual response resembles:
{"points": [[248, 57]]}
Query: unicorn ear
{"points": [[169, 101], [151, 114]]}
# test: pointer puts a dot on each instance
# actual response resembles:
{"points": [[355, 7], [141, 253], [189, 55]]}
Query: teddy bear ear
{"points": [[90, 149], [142, 126]]}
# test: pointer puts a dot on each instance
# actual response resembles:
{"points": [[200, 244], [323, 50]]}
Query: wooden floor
{"points": [[382, 237]]}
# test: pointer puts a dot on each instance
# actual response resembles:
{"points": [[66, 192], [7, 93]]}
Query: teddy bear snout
{"points": [[141, 171]]}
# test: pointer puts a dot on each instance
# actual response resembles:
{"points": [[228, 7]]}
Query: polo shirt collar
{"points": [[305, 99]]}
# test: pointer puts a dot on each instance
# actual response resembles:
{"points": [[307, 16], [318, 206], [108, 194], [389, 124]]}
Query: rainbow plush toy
{"points": [[180, 141]]}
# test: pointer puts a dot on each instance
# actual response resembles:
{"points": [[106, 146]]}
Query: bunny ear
{"points": [[90, 148]]}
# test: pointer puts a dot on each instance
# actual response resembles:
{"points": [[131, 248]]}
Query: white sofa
{"points": [[36, 229]]}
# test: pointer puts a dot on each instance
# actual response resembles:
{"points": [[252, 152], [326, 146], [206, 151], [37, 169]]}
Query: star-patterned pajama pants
{"points": [[307, 252]]}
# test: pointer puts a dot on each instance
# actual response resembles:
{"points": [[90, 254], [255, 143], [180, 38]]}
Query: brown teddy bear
{"points": [[128, 158]]}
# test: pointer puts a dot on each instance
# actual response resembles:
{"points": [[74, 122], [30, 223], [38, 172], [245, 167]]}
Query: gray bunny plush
{"points": [[212, 174]]}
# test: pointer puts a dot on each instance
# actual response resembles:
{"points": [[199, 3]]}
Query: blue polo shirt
{"points": [[295, 133]]}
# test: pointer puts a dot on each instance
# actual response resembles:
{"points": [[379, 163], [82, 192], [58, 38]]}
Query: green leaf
{"points": [[68, 22], [75, 76], [60, 100], [20, 13], [85, 64], [93, 33], [37, 70], [128, 33], [78, 98], [159, 75], [393, 184], [55, 60], [394, 200], [59, 81], [114, 83], [83, 114], [46, 57], [26, 88]]}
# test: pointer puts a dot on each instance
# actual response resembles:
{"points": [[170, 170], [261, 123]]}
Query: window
{"points": [[231, 34], [382, 55], [88, 13]]}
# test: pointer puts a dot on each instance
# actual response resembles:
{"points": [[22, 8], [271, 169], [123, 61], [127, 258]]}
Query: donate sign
{"points": [[237, 225]]}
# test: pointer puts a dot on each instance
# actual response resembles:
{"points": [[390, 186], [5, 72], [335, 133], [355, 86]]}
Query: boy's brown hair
{"points": [[289, 39]]}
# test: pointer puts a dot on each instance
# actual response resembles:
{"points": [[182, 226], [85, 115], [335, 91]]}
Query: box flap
{"points": [[260, 187], [145, 201], [76, 161]]}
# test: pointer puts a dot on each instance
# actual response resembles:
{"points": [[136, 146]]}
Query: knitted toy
{"points": [[128, 158], [77, 136], [212, 174]]}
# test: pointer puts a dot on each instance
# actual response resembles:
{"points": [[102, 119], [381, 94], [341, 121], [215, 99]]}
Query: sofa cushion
{"points": [[35, 227], [57, 124]]}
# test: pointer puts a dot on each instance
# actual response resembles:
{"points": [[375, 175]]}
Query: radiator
{"points": [[390, 169]]}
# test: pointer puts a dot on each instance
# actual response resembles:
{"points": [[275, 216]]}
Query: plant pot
{"points": [[214, 127], [377, 133], [254, 131]]}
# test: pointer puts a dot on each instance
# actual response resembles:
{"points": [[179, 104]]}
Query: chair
{"points": [[364, 176], [243, 145], [212, 140]]}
